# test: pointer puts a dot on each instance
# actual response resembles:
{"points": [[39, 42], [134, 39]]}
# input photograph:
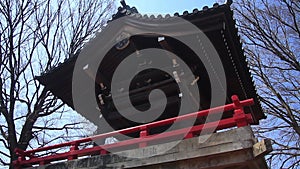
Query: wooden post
{"points": [[143, 133], [73, 148], [239, 114]]}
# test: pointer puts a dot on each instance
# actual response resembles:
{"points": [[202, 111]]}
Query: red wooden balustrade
{"points": [[239, 119]]}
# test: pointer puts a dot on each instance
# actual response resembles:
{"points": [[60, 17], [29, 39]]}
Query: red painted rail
{"points": [[239, 119]]}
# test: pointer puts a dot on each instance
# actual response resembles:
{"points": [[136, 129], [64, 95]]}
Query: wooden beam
{"points": [[262, 148]]}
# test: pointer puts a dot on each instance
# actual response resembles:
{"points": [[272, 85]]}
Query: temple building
{"points": [[218, 25], [234, 149]]}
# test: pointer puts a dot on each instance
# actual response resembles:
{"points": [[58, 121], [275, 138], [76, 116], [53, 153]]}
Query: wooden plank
{"points": [[262, 148]]}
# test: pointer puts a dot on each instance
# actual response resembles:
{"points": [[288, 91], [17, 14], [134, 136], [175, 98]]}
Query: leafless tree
{"points": [[35, 35], [271, 37]]}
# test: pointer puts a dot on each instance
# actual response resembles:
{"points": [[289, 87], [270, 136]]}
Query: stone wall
{"points": [[228, 149]]}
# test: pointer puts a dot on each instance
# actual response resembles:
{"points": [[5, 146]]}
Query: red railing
{"points": [[239, 119]]}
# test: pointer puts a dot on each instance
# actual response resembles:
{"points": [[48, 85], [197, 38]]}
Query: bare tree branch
{"points": [[270, 32], [36, 35]]}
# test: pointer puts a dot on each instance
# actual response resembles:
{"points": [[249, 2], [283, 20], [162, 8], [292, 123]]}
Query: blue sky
{"points": [[168, 6]]}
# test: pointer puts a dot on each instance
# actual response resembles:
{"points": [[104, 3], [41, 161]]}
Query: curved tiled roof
{"points": [[134, 13]]}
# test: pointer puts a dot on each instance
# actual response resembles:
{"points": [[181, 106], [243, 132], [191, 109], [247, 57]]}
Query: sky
{"points": [[167, 6]]}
